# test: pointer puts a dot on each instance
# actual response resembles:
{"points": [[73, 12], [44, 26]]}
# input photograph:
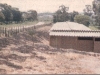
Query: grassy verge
{"points": [[19, 24], [93, 27]]}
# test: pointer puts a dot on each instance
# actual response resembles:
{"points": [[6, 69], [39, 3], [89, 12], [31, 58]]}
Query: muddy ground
{"points": [[30, 53]]}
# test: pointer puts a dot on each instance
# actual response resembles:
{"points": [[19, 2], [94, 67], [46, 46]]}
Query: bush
{"points": [[82, 19], [31, 32]]}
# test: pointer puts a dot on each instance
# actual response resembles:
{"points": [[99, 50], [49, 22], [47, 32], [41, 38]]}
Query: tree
{"points": [[24, 16], [17, 15], [96, 9], [72, 15], [82, 19], [7, 12], [10, 13], [2, 17], [32, 15], [88, 10], [61, 14]]}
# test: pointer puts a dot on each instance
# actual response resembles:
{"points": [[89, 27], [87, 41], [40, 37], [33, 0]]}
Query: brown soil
{"points": [[27, 54]]}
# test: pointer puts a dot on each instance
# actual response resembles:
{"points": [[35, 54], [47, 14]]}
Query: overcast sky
{"points": [[47, 5]]}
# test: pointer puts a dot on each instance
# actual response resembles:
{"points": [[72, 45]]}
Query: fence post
{"points": [[5, 32], [8, 32], [23, 28], [0, 31], [11, 31], [18, 29]]}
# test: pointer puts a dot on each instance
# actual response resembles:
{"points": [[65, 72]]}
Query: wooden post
{"points": [[16, 30], [8, 32], [12, 28], [23, 28], [5, 32], [11, 31], [0, 31]]}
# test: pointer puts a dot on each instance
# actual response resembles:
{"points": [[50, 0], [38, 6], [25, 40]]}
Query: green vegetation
{"points": [[88, 10], [93, 27], [96, 9], [95, 17], [82, 19], [10, 15], [91, 15], [62, 15], [31, 32], [26, 23]]}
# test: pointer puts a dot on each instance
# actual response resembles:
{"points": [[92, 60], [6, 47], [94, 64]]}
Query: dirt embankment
{"points": [[27, 54]]}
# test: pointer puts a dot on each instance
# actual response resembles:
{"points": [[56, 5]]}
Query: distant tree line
{"points": [[9, 14]]}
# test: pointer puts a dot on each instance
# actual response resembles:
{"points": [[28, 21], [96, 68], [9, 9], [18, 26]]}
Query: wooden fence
{"points": [[7, 32]]}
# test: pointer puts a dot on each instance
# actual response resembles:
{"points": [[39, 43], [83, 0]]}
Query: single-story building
{"points": [[71, 35]]}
